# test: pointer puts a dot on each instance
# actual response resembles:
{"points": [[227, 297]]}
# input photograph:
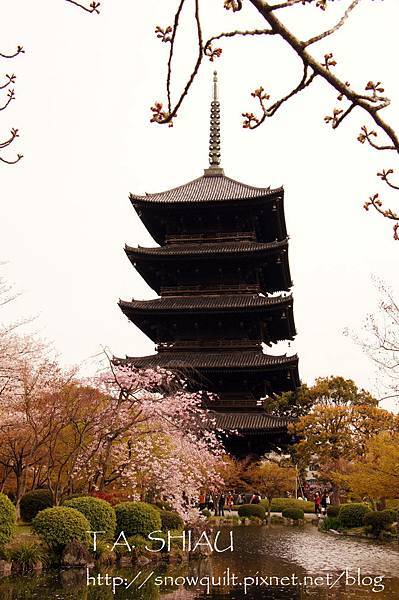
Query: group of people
{"points": [[223, 502], [321, 502]]}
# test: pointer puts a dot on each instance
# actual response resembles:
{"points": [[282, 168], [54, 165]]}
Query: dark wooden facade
{"points": [[222, 275]]}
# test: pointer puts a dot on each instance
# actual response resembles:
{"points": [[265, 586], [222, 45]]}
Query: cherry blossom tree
{"points": [[376, 132]]}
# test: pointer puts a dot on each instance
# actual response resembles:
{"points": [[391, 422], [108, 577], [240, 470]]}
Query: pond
{"points": [[277, 563]]}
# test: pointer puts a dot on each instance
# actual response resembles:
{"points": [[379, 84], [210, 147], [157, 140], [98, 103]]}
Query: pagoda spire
{"points": [[214, 132]]}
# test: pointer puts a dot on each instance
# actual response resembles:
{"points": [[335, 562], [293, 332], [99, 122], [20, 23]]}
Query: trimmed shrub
{"points": [[280, 504], [392, 503], [392, 514], [252, 510], [171, 520], [8, 517], [293, 513], [333, 510], [33, 502], [331, 523], [351, 515], [99, 513], [206, 513], [137, 518], [376, 521], [60, 525]]}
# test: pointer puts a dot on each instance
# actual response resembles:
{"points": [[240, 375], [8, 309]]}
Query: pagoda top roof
{"points": [[182, 303], [207, 188], [206, 248], [216, 360], [248, 421]]}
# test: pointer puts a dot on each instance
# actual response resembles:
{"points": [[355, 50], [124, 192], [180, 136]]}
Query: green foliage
{"points": [[333, 510], [27, 555], [376, 521], [392, 503], [5, 554], [392, 514], [252, 510], [171, 520], [99, 513], [33, 502], [331, 523], [60, 525], [351, 515], [207, 513], [8, 517], [137, 518], [296, 514], [280, 504], [138, 541]]}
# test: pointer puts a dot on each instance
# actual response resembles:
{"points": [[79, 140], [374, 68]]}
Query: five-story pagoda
{"points": [[221, 259]]}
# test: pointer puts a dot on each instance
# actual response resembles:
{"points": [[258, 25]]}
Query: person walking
{"points": [[317, 503], [230, 501], [222, 503], [323, 503]]}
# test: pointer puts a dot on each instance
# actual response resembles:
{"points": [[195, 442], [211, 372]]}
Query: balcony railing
{"points": [[215, 236], [193, 345], [211, 290]]}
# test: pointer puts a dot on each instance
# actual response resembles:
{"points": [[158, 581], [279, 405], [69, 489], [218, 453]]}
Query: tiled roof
{"points": [[248, 421], [215, 360], [206, 248], [211, 303], [208, 188]]}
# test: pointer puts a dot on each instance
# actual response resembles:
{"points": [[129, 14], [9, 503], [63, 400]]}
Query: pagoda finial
{"points": [[214, 133]]}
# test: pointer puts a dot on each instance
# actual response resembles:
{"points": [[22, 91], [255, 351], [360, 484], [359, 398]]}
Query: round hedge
{"points": [[376, 521], [137, 518], [333, 510], [60, 525], [99, 513], [391, 514], [33, 502], [331, 523], [171, 520], [351, 515], [252, 510], [8, 517], [296, 514], [280, 504]]}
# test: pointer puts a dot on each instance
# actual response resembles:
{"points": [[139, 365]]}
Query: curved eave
{"points": [[154, 316], [204, 251], [241, 361], [224, 304], [207, 188]]}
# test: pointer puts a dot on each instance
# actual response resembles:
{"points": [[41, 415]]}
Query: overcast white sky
{"points": [[84, 90]]}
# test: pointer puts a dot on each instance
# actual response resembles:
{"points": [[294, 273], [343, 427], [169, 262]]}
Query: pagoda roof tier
{"points": [[206, 303], [271, 257], [153, 316], [254, 422], [208, 188], [218, 199], [174, 251], [217, 360]]}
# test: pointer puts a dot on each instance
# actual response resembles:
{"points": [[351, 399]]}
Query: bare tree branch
{"points": [[92, 8], [338, 25]]}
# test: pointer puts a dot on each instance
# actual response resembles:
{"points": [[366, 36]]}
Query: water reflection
{"points": [[260, 552]]}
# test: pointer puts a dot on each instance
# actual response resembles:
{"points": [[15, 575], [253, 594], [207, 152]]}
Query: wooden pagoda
{"points": [[222, 258]]}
